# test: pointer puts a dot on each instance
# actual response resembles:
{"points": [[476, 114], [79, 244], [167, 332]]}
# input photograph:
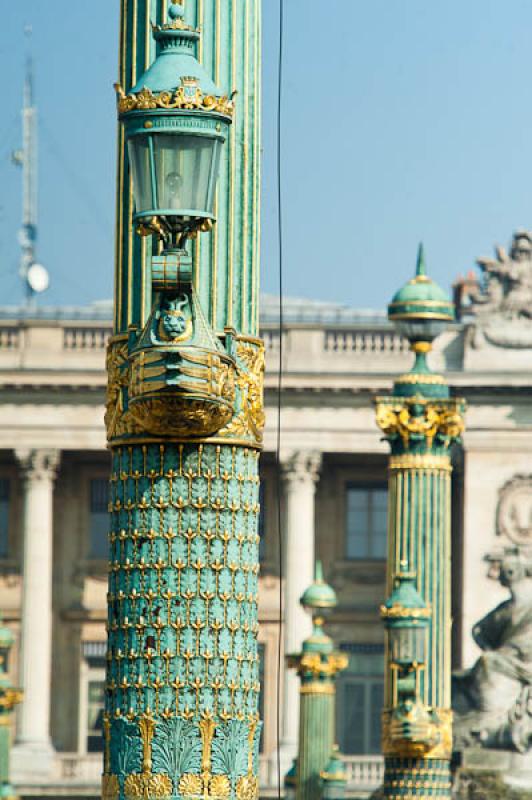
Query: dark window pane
{"points": [[352, 698], [99, 495], [366, 522], [99, 518], [4, 517], [95, 699], [376, 704]]}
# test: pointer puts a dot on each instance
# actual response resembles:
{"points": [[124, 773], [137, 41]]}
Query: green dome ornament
{"points": [[319, 595], [421, 311]]}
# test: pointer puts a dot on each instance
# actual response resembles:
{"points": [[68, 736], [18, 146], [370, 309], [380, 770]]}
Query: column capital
{"points": [[41, 464], [301, 466]]}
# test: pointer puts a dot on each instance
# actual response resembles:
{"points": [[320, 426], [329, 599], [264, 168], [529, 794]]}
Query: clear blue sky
{"points": [[404, 120]]}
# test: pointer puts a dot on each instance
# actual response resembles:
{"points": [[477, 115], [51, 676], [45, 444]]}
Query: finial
{"points": [[318, 572], [176, 10], [421, 269]]}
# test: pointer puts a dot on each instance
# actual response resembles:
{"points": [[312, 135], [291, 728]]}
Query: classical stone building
{"points": [[332, 480]]}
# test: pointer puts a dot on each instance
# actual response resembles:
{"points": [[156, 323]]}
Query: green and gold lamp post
{"points": [[334, 777], [420, 421], [9, 698], [317, 666], [184, 420]]}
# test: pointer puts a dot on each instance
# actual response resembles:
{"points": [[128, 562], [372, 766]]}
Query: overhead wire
{"points": [[280, 383]]}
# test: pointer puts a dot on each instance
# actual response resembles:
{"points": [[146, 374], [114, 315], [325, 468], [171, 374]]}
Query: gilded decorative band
{"points": [[317, 688], [419, 461]]}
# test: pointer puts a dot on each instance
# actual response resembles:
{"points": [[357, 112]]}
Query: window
{"points": [[366, 521], [99, 518], [92, 697], [360, 697], [4, 517]]}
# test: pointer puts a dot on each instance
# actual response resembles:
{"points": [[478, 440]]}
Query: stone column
{"points": [[300, 475], [33, 750]]}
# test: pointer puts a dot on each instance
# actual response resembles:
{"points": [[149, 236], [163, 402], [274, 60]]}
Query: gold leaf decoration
{"points": [[190, 785], [247, 788], [148, 786]]}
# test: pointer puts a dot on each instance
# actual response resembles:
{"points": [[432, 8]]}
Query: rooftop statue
{"points": [[492, 701], [502, 303]]}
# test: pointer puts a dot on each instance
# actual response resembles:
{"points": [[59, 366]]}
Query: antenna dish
{"points": [[38, 278]]}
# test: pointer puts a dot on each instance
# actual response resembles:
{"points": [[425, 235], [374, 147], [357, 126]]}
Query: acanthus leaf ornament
{"points": [[417, 420], [188, 97], [249, 419]]}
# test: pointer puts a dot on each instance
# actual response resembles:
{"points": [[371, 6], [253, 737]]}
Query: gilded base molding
{"points": [[238, 420]]}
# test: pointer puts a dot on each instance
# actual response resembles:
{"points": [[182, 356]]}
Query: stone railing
{"points": [[77, 768], [307, 349], [81, 338], [364, 773], [356, 341]]}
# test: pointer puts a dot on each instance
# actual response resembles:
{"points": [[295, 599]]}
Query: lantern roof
{"points": [[176, 80], [335, 772], [421, 298], [405, 602], [319, 594]]}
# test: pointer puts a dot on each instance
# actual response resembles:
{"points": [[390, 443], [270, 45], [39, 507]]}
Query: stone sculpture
{"points": [[502, 305], [492, 701]]}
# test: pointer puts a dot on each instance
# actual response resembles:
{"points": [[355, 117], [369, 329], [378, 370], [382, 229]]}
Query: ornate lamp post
{"points": [[334, 778], [9, 698], [420, 421], [184, 421], [317, 666]]}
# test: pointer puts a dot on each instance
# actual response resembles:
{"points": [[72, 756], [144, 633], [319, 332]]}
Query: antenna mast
{"points": [[34, 276]]}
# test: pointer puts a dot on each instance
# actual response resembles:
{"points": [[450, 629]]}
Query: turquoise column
{"points": [[181, 717], [421, 422], [317, 666]]}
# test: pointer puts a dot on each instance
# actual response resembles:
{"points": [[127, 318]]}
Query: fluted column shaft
{"points": [[300, 475], [316, 737], [38, 473]]}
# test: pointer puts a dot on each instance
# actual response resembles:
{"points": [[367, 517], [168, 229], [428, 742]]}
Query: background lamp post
{"points": [[184, 409], [317, 666], [334, 777], [9, 698], [420, 421]]}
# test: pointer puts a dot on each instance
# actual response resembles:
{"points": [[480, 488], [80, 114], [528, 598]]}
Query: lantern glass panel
{"points": [[139, 159], [408, 645], [184, 173]]}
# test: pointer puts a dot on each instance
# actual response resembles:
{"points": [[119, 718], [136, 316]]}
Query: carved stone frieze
{"points": [[514, 511]]}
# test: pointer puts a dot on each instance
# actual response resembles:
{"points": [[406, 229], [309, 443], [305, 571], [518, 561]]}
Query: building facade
{"points": [[331, 478]]}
